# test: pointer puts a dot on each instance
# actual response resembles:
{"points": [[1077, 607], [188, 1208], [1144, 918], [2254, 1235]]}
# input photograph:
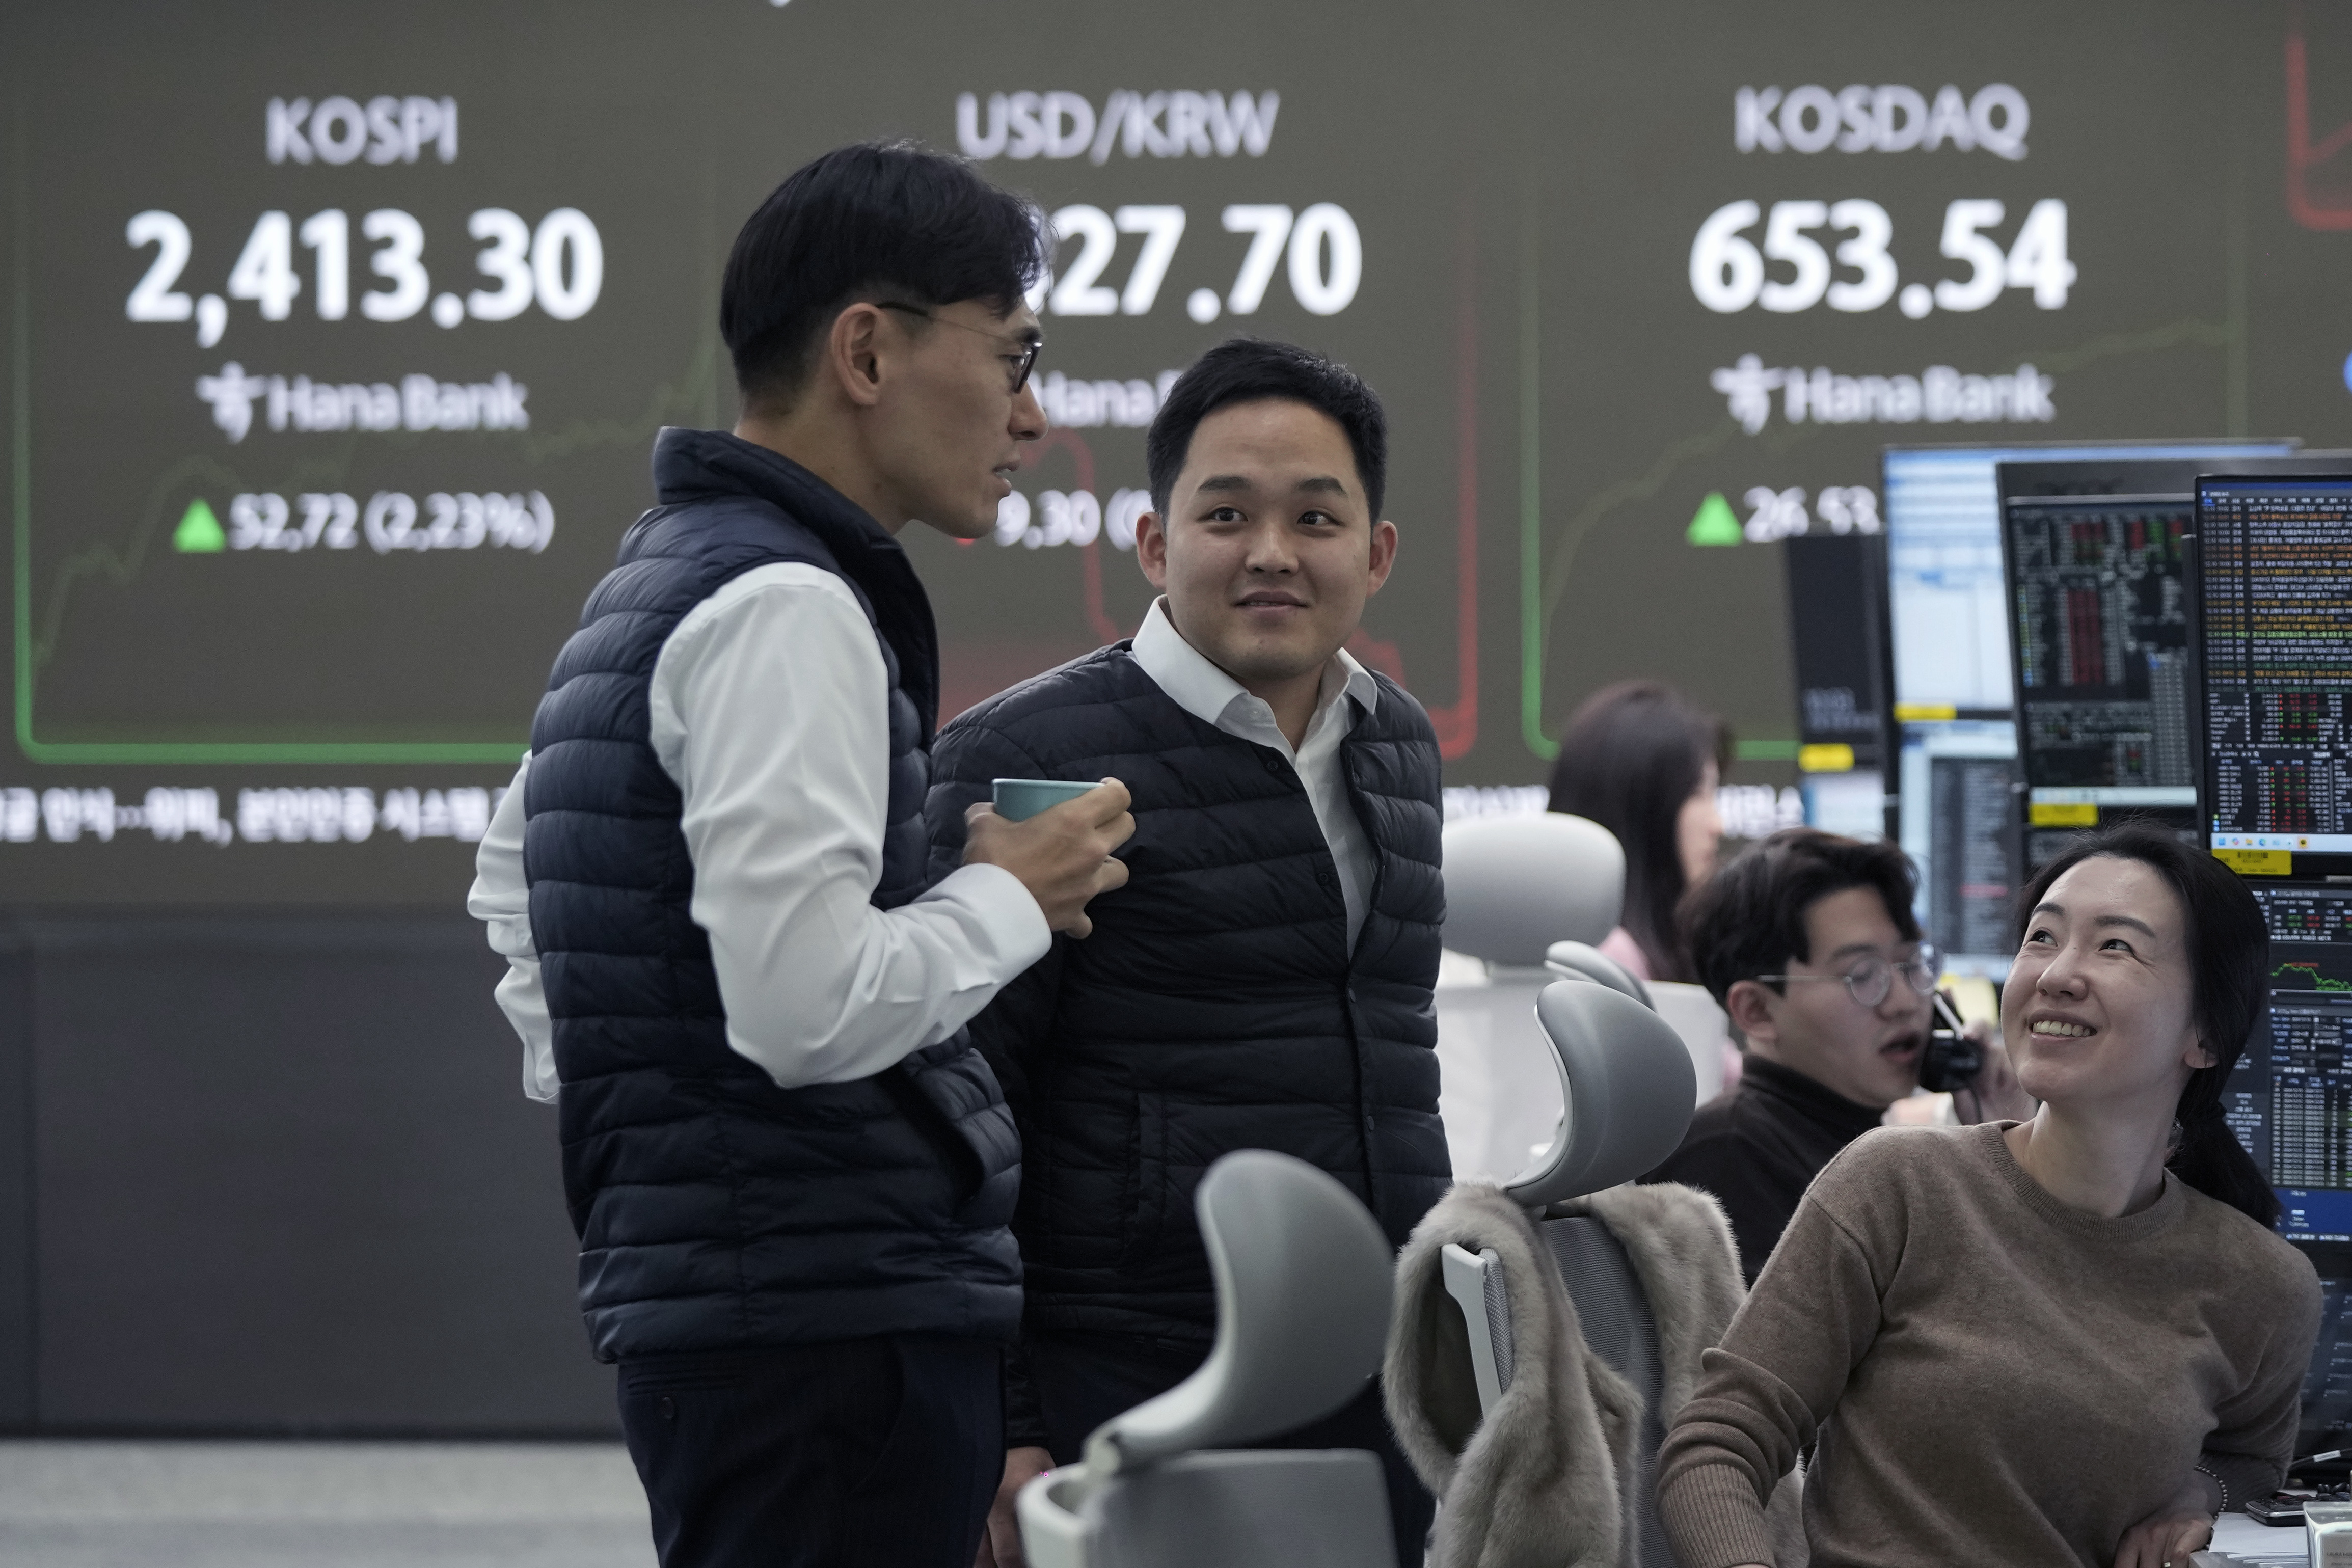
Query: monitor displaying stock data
{"points": [[2274, 578], [2291, 1104], [2272, 572], [2102, 651], [1951, 611]]}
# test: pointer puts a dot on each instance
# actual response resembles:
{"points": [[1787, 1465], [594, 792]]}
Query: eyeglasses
{"points": [[1871, 979], [1024, 362]]}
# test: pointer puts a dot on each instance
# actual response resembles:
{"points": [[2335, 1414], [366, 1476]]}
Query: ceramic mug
{"points": [[1017, 800]]}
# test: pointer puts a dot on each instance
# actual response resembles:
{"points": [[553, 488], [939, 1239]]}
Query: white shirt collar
{"points": [[1208, 693]]}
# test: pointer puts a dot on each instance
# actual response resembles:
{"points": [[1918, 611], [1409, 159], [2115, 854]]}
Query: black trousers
{"points": [[1084, 1379], [883, 1451]]}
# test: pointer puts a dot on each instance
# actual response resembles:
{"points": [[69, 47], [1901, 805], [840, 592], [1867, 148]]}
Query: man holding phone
{"points": [[1808, 943], [1264, 979], [732, 966]]}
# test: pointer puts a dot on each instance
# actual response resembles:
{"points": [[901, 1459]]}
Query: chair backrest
{"points": [[1629, 1084], [1619, 1328], [1514, 885], [1498, 1091], [1303, 1276], [1627, 1078], [1629, 1089]]}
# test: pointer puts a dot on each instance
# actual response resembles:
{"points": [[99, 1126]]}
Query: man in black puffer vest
{"points": [[791, 1173], [1264, 979]]}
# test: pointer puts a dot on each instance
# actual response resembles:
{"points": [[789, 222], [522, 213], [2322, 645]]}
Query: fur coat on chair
{"points": [[1536, 1483]]}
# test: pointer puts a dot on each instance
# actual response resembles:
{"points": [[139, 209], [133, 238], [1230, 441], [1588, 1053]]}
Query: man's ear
{"points": [[1384, 549], [1749, 1003], [1151, 549], [853, 353]]}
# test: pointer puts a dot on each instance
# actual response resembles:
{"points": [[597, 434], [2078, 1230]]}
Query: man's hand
{"points": [[1000, 1544], [1996, 1095], [1062, 854], [2166, 1538]]}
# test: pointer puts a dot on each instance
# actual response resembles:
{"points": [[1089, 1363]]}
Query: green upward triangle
{"points": [[199, 532], [1713, 524]]}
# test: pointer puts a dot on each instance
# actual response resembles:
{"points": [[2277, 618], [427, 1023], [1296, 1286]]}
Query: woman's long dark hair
{"points": [[1632, 755], [2228, 949]]}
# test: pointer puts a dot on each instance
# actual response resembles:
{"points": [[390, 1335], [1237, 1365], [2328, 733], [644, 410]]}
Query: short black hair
{"points": [[872, 216], [1748, 920], [1244, 369]]}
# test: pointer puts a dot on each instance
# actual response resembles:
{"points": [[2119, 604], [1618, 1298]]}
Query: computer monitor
{"points": [[2272, 582], [1837, 636], [2091, 554], [2288, 1102], [2099, 631], [1945, 596], [1948, 626]]}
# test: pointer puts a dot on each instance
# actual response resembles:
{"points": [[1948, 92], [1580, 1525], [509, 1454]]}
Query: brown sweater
{"points": [[1993, 1376]]}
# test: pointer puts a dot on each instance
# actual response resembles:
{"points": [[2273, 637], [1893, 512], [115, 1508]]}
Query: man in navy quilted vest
{"points": [[791, 1173], [1265, 978]]}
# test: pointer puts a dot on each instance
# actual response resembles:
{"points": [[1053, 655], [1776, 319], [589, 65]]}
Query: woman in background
{"points": [[1645, 763]]}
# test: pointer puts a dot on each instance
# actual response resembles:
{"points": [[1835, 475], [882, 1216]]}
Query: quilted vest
{"points": [[715, 1210]]}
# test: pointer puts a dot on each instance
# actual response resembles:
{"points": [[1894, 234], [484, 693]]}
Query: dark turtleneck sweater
{"points": [[1757, 1146]]}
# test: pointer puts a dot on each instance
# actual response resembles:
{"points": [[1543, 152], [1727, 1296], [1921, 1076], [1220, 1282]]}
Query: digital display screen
{"points": [[2275, 580], [339, 339], [2290, 1103], [2291, 1098], [2102, 641], [1949, 601]]}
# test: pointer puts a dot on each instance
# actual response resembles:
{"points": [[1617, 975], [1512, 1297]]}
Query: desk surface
{"points": [[2242, 1539]]}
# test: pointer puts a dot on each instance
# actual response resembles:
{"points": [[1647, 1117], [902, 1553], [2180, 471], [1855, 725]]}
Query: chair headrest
{"points": [[1577, 960], [1629, 1088], [1303, 1277], [1514, 885]]}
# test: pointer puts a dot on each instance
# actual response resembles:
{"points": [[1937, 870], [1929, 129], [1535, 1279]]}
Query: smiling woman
{"points": [[2137, 981], [2072, 1339]]}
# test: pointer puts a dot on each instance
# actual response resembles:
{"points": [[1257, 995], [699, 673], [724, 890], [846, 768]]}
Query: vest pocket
{"points": [[1147, 1179], [956, 1154]]}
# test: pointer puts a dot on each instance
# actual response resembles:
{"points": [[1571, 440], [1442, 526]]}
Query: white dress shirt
{"points": [[768, 708], [1211, 696]]}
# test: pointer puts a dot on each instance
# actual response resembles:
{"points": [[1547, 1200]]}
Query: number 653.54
{"points": [[1730, 271]]}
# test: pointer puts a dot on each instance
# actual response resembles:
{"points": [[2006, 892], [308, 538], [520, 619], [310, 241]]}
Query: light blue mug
{"points": [[1017, 800]]}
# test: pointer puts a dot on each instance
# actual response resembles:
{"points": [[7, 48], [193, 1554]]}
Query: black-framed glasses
{"points": [[1870, 980], [1024, 362]]}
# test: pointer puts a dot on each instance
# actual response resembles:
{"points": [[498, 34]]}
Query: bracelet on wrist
{"points": [[2220, 1485]]}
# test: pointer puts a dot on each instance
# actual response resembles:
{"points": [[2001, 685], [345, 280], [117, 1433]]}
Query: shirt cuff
{"points": [[1006, 909], [1711, 1515]]}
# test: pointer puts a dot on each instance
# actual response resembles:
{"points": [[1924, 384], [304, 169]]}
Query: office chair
{"points": [[1302, 1279], [1695, 1015], [1526, 1286], [1515, 886]]}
